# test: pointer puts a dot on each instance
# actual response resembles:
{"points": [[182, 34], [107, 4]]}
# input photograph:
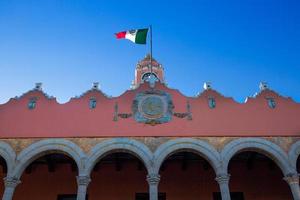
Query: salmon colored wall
{"points": [[192, 184], [75, 119], [44, 185], [110, 184]]}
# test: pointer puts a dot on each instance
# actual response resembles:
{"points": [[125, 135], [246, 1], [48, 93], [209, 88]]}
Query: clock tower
{"points": [[143, 71]]}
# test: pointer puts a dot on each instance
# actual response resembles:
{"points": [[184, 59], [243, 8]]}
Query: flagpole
{"points": [[151, 49]]}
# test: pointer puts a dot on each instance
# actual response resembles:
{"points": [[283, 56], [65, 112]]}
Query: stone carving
{"points": [[187, 114], [116, 112], [153, 179], [83, 180], [152, 107], [223, 178], [125, 115], [121, 115], [292, 179], [11, 182]]}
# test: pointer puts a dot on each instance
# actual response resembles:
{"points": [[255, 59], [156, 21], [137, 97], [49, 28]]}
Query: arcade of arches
{"points": [[123, 168]]}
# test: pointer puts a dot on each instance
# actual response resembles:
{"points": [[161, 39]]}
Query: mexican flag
{"points": [[138, 36]]}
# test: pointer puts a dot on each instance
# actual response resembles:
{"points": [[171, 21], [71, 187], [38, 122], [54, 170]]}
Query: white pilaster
{"points": [[223, 180], [10, 186], [82, 182], [153, 181], [293, 181]]}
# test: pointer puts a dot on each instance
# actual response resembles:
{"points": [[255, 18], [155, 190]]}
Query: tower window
{"points": [[211, 102], [147, 75], [32, 103], [93, 103], [271, 103]]}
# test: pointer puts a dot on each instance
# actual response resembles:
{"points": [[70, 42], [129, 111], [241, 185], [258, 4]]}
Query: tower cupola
{"points": [[143, 71]]}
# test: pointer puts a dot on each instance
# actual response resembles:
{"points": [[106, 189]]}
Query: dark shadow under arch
{"points": [[50, 174], [257, 177], [185, 173], [118, 175], [3, 173]]}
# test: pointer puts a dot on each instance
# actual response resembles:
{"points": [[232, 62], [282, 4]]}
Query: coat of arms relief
{"points": [[152, 107]]}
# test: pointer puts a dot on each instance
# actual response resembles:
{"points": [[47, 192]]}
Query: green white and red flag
{"points": [[138, 36]]}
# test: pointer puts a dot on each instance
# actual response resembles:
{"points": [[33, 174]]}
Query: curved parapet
{"points": [[95, 114]]}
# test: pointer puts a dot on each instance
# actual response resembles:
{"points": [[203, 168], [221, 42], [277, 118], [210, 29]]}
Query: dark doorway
{"points": [[145, 196], [68, 197], [233, 195]]}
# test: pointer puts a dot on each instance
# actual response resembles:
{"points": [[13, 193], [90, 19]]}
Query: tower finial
{"points": [[207, 85], [95, 86], [263, 86], [38, 86]]}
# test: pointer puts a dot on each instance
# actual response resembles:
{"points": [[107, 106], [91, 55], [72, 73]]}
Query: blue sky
{"points": [[69, 44]]}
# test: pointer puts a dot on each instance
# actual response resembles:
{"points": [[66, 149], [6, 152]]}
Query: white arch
{"points": [[187, 144], [259, 145], [294, 153], [9, 155], [44, 147], [131, 146]]}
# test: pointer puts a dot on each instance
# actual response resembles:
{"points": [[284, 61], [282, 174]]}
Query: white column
{"points": [[293, 181], [153, 181], [82, 182], [223, 180], [10, 186]]}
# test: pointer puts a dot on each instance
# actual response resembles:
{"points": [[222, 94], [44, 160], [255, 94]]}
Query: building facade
{"points": [[151, 142]]}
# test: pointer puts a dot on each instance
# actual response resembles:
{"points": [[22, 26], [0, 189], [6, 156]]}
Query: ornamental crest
{"points": [[152, 107]]}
